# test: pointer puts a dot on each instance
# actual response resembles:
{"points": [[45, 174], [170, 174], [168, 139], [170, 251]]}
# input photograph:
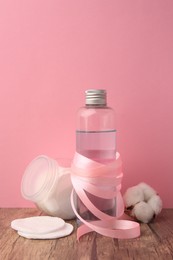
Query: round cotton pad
{"points": [[38, 224], [64, 231]]}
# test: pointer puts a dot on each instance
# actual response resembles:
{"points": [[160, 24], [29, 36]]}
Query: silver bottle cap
{"points": [[95, 97]]}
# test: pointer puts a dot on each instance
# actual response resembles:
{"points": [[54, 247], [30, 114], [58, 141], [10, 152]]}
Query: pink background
{"points": [[51, 51]]}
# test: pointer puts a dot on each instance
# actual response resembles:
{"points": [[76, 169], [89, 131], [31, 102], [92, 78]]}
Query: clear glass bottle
{"points": [[96, 139]]}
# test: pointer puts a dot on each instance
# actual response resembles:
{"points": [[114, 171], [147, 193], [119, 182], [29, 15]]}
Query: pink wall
{"points": [[51, 51]]}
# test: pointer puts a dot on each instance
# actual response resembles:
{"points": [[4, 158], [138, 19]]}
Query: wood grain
{"points": [[155, 242]]}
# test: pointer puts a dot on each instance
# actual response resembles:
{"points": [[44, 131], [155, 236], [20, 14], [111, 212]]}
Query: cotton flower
{"points": [[132, 196], [143, 201], [156, 204], [147, 190], [143, 212]]}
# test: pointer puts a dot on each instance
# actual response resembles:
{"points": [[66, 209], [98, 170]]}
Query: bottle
{"points": [[96, 140]]}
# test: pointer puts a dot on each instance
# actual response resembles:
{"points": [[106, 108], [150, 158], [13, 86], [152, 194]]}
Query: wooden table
{"points": [[156, 242]]}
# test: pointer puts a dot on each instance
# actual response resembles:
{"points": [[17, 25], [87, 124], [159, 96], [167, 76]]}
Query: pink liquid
{"points": [[98, 146]]}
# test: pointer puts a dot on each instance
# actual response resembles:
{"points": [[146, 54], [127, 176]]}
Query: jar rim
{"points": [[38, 178]]}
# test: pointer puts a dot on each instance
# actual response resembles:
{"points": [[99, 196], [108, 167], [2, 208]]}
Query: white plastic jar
{"points": [[47, 183]]}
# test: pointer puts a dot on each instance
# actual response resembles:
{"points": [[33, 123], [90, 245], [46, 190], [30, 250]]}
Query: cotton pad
{"points": [[38, 224], [64, 231]]}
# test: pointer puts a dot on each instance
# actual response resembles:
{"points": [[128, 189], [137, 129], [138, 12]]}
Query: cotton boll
{"points": [[147, 191], [132, 196], [156, 204], [143, 212]]}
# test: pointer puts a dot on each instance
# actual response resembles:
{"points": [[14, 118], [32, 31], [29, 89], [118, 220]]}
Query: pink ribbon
{"points": [[103, 181]]}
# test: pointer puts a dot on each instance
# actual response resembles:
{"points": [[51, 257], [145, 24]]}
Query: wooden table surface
{"points": [[155, 242]]}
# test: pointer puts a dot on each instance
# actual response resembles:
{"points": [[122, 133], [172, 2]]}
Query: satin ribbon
{"points": [[103, 181]]}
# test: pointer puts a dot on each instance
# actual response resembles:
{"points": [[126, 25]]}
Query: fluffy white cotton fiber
{"points": [[156, 204], [147, 190], [143, 212], [132, 196], [143, 201]]}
